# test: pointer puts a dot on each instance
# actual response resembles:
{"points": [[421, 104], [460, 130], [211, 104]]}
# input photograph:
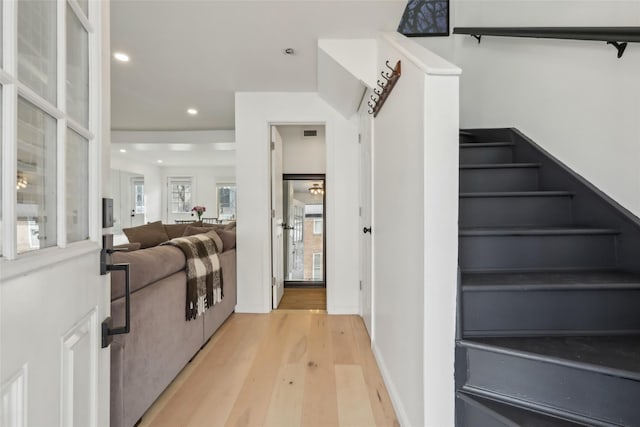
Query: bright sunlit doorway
{"points": [[304, 230]]}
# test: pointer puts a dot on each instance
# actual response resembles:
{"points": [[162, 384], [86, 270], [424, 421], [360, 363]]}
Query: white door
{"points": [[136, 208], [277, 220], [52, 296], [366, 132]]}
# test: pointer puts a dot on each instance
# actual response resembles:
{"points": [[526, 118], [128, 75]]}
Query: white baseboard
{"points": [[343, 310], [401, 413]]}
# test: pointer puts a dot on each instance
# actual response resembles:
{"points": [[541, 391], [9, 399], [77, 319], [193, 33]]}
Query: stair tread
{"points": [[500, 165], [518, 194], [619, 353], [522, 417], [533, 231], [485, 144], [552, 279]]}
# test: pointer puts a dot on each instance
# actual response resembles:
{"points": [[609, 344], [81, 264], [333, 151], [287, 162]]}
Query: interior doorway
{"points": [[304, 230]]}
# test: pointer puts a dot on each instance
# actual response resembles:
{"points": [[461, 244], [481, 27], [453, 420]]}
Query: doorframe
{"points": [[313, 177]]}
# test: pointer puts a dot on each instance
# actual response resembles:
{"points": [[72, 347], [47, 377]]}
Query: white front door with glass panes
{"points": [[137, 201], [53, 299]]}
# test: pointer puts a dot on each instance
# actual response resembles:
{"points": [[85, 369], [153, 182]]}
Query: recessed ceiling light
{"points": [[192, 111], [159, 161], [122, 150], [122, 57]]}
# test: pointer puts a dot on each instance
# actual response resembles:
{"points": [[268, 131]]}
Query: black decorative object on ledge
{"points": [[618, 37], [425, 18], [386, 86]]}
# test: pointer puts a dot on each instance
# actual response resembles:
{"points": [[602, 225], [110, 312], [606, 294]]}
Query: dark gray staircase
{"points": [[549, 307]]}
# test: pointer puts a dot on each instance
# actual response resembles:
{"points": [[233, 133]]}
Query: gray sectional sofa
{"points": [[161, 341]]}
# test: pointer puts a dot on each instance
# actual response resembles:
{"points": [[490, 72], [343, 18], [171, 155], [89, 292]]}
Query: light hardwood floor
{"points": [[287, 368], [304, 299]]}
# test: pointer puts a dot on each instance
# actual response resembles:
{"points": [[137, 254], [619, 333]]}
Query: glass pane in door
{"points": [[77, 69], [36, 181], [304, 230], [77, 198], [37, 47]]}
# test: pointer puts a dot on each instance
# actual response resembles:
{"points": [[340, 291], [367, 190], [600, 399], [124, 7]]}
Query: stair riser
{"points": [[482, 155], [566, 389], [515, 211], [499, 179], [550, 312], [469, 415], [526, 253]]}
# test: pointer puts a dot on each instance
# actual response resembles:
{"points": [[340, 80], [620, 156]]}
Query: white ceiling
{"points": [[198, 53]]}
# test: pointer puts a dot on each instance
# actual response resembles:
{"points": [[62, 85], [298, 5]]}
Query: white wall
{"points": [[152, 184], [303, 154], [204, 186], [415, 186], [574, 98], [254, 114]]}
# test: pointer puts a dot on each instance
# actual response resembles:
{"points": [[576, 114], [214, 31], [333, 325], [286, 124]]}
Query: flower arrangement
{"points": [[199, 210]]}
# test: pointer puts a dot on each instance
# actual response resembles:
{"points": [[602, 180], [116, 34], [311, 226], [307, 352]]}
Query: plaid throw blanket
{"points": [[204, 277]]}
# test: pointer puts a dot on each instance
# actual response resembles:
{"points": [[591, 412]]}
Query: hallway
{"points": [[287, 368]]}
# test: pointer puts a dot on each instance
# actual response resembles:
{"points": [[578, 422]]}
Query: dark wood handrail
{"points": [[615, 36]]}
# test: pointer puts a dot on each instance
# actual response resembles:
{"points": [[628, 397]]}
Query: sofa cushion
{"points": [[191, 230], [230, 226], [175, 230], [147, 235], [146, 266], [128, 247], [228, 239]]}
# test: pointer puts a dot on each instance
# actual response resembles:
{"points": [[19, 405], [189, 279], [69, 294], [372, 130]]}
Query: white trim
{"points": [[30, 262], [9, 170], [354, 309], [10, 38], [173, 137], [14, 396], [40, 102], [95, 134], [79, 129], [61, 134], [401, 412], [80, 15], [5, 78], [422, 58]]}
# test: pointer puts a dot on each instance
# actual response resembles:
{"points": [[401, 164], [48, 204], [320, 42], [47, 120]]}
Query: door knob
{"points": [[366, 230]]}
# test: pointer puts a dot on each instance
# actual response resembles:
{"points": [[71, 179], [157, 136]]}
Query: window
{"points": [[226, 201], [180, 195], [317, 266], [50, 155], [317, 226]]}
